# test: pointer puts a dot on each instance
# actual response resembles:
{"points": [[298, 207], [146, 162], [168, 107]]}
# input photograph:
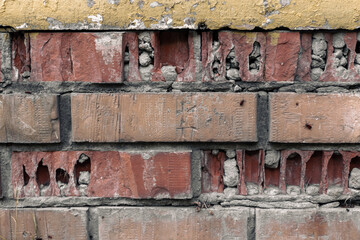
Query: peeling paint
{"points": [[214, 14]]}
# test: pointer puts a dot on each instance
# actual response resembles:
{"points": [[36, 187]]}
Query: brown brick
{"points": [[172, 223], [74, 56], [29, 119], [307, 224], [45, 223], [164, 117], [314, 118], [112, 174], [282, 52]]}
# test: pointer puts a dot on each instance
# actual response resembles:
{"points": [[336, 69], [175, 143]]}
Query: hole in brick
{"points": [[42, 176], [313, 169], [146, 56], [82, 172], [335, 169], [318, 56], [252, 170], [293, 169], [272, 176], [232, 66], [62, 176], [354, 173], [254, 58], [126, 63], [26, 176]]}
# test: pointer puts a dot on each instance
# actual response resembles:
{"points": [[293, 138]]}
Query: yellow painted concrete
{"points": [[164, 14]]}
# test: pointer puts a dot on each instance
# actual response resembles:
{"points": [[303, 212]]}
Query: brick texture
{"points": [[308, 224], [71, 56], [172, 223], [29, 119], [314, 118], [164, 117], [46, 223], [111, 174]]}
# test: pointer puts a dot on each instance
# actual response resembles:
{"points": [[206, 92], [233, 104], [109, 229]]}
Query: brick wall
{"points": [[180, 135]]}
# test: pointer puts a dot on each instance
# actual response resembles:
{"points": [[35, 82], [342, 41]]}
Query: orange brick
{"points": [[172, 223], [29, 119], [307, 224], [314, 118], [46, 223], [218, 117]]}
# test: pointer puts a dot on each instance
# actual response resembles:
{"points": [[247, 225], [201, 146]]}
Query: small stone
{"points": [[234, 63], [126, 57], [293, 190], [83, 189], [272, 159], [231, 54], [318, 64], [84, 178], [126, 71], [253, 66], [318, 47], [256, 51], [229, 192], [318, 36], [354, 180], [357, 58], [145, 72], [336, 62], [316, 73], [338, 53], [233, 74], [335, 190], [272, 191], [144, 59], [338, 40], [231, 173], [146, 47], [169, 73], [230, 153], [312, 190], [237, 88], [83, 158], [343, 62], [144, 36], [215, 152], [252, 188], [340, 71]]}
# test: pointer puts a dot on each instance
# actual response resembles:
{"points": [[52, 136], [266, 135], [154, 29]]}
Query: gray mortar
{"points": [[197, 55], [319, 54], [231, 173], [93, 223], [6, 176], [146, 56], [354, 180], [196, 157], [5, 46]]}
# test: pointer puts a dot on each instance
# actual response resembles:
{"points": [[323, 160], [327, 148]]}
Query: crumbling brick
{"points": [[122, 174]]}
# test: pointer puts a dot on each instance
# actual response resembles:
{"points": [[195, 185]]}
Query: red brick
{"points": [[242, 43], [303, 67], [172, 223], [307, 224], [44, 223], [314, 118], [29, 119], [212, 172], [282, 52], [164, 117], [112, 174], [72, 56]]}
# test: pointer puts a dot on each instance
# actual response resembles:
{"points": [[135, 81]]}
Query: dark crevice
{"points": [[26, 176], [62, 176]]}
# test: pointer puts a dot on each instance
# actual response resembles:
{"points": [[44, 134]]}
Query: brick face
{"points": [[172, 223], [46, 223], [307, 224], [112, 174], [29, 119], [314, 118], [164, 117]]}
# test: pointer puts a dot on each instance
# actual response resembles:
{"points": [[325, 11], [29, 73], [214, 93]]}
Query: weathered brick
{"points": [[212, 172], [112, 174], [308, 224], [164, 117], [44, 223], [172, 223], [282, 52], [314, 118], [20, 44], [74, 56], [29, 118]]}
